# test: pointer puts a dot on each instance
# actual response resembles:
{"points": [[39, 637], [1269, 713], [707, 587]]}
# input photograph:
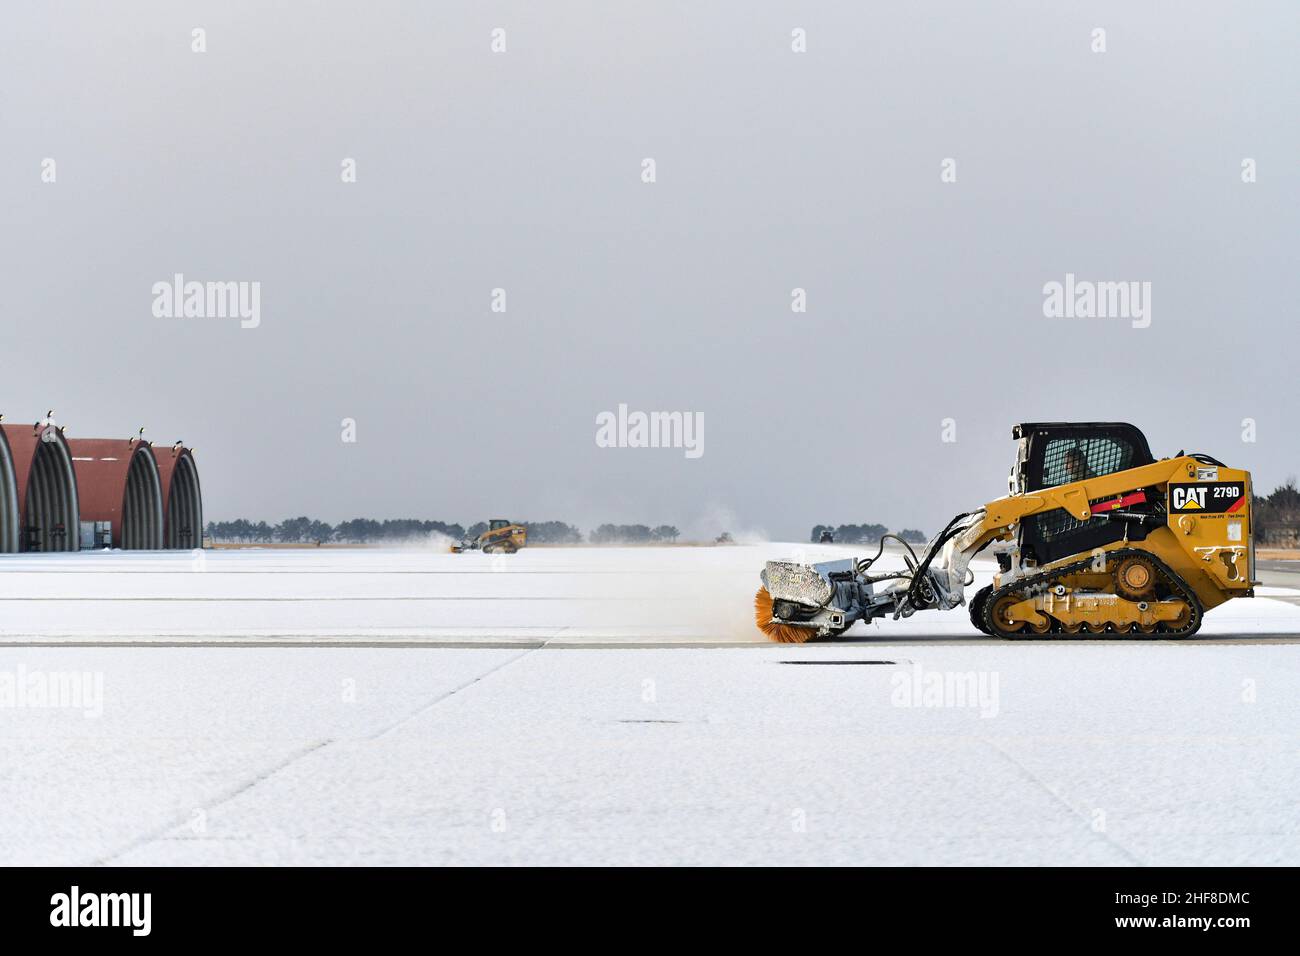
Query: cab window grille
{"points": [[1059, 523], [1066, 460]]}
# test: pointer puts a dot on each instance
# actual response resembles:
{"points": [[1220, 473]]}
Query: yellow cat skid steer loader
{"points": [[1096, 537], [501, 536]]}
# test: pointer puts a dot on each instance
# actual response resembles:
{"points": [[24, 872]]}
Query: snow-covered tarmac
{"points": [[549, 707]]}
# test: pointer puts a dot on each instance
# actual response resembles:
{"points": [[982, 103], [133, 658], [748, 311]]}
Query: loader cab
{"points": [[1059, 453], [496, 524]]}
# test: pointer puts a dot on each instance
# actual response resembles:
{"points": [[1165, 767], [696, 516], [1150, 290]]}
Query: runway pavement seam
{"points": [[451, 693], [226, 797], [1105, 836]]}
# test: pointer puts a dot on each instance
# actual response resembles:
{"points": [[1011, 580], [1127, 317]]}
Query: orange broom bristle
{"points": [[775, 630]]}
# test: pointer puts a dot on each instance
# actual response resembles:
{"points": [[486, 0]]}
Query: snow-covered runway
{"points": [[427, 597], [887, 749]]}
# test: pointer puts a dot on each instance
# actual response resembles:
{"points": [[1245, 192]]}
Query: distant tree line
{"points": [[863, 533], [633, 534], [1276, 518], [365, 530], [304, 530]]}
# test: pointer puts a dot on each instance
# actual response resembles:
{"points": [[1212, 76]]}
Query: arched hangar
{"points": [[120, 490], [40, 509], [182, 498]]}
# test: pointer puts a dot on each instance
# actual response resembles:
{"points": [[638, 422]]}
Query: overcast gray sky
{"points": [[523, 170]]}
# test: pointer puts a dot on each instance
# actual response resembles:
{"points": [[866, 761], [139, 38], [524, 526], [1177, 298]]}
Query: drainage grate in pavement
{"points": [[837, 662]]}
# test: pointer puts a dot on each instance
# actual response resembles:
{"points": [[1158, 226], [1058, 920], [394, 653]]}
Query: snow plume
{"points": [[718, 518], [427, 541]]}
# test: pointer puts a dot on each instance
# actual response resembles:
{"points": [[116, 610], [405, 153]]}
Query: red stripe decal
{"points": [[1135, 498], [1236, 504]]}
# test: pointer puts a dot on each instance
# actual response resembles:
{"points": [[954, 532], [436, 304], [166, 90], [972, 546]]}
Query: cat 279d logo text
{"points": [[1211, 497]]}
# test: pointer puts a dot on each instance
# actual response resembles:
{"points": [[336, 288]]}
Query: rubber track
{"points": [[976, 609], [1045, 578]]}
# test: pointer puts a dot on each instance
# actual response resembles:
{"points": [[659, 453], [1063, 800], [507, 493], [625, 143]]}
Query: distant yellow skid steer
{"points": [[501, 536], [1096, 537]]}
